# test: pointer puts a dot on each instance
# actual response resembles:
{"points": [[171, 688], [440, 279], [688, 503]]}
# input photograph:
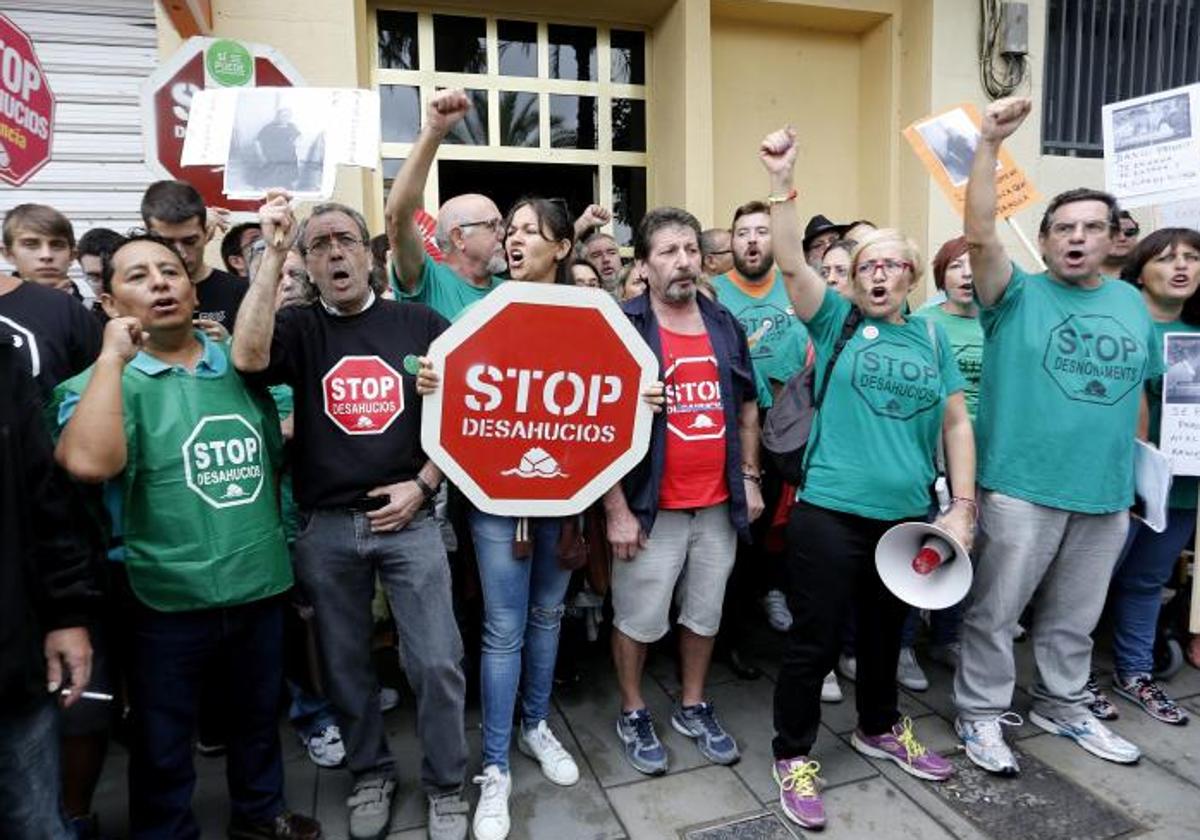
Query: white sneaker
{"points": [[325, 749], [491, 814], [848, 666], [778, 614], [984, 743], [541, 745], [1092, 735], [908, 671], [831, 691]]}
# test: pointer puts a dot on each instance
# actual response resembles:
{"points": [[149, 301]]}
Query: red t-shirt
{"points": [[694, 468]]}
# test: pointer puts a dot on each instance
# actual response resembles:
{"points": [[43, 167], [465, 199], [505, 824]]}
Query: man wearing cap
{"points": [[818, 234], [365, 491]]}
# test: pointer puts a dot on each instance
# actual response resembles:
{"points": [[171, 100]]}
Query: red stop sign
{"points": [[167, 98], [540, 409], [363, 395], [26, 107]]}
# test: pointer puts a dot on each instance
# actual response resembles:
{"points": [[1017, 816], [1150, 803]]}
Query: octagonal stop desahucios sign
{"points": [[540, 408], [26, 107]]}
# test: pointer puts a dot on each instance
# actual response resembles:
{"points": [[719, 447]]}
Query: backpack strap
{"points": [[853, 317]]}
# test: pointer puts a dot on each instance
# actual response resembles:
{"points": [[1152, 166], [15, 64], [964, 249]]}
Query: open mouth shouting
{"points": [[516, 259], [1074, 259], [877, 295], [163, 306]]}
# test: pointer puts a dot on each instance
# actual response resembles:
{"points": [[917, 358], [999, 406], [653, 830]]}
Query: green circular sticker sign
{"points": [[229, 63]]}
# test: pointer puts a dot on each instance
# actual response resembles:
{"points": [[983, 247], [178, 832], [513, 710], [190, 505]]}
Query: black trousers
{"points": [[830, 567]]}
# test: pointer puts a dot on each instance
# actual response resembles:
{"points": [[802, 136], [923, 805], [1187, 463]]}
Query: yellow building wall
{"points": [[765, 76]]}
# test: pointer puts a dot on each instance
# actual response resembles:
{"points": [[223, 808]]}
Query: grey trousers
{"points": [[336, 558], [1065, 558]]}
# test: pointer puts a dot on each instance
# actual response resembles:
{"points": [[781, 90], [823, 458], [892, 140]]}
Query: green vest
{"points": [[200, 503]]}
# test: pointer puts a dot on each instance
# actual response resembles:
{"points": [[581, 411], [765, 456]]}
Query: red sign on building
{"points": [[26, 107], [540, 409], [363, 395], [198, 64]]}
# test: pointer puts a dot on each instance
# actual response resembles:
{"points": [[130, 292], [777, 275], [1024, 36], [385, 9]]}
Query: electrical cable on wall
{"points": [[1003, 47]]}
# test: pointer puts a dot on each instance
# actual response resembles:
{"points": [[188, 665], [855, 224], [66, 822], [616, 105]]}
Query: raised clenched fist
{"points": [[1004, 116]]}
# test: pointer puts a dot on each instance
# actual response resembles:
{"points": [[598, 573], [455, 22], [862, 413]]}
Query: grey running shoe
{"points": [[700, 723], [908, 671], [448, 817], [370, 805], [642, 747]]}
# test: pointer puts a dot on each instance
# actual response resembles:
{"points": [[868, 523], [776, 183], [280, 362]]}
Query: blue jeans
{"points": [[943, 626], [172, 655], [523, 607], [30, 792], [1136, 592], [309, 714]]}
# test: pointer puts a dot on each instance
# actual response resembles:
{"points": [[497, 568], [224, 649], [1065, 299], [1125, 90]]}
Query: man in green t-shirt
{"points": [[1065, 355], [470, 229], [195, 451]]}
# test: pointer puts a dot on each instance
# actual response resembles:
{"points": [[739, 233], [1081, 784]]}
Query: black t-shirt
{"points": [[54, 333], [358, 415], [220, 295]]}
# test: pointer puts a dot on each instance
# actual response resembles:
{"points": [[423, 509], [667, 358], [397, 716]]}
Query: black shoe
{"points": [[286, 826], [742, 669]]}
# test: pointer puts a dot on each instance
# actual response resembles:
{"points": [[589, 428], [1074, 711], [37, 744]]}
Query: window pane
{"points": [[472, 130], [629, 125], [572, 122], [518, 48], [572, 52], [400, 113], [629, 201], [519, 119], [628, 57], [391, 167], [397, 40], [459, 44]]}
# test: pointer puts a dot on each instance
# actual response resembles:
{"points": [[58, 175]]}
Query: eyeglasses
{"points": [[1131, 231], [720, 253], [322, 244], [891, 268], [1095, 227], [828, 271], [494, 225]]}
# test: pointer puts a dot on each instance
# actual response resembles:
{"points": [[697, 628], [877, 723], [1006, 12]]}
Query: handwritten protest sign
{"points": [[1180, 429], [292, 138], [945, 142], [1152, 147]]}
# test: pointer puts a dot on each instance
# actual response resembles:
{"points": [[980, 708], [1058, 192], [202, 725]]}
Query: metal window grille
{"points": [[1102, 51]]}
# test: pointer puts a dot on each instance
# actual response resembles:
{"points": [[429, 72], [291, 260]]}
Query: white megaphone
{"points": [[923, 565]]}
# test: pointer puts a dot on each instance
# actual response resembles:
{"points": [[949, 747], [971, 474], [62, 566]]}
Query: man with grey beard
{"points": [[676, 517]]}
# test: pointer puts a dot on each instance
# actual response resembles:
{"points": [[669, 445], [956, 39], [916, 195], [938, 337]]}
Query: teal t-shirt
{"points": [[1184, 487], [1063, 368], [966, 338], [874, 440], [442, 289], [772, 328]]}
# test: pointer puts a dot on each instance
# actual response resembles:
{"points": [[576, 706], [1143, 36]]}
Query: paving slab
{"points": [[1160, 801], [661, 808], [1175, 748], [590, 707], [876, 808]]}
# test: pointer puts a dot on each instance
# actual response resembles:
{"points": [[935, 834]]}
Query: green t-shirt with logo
{"points": [[772, 329], [1062, 383], [199, 510], [874, 441], [1184, 487], [442, 289], [966, 339]]}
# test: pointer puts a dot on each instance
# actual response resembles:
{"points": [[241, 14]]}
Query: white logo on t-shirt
{"points": [[24, 339]]}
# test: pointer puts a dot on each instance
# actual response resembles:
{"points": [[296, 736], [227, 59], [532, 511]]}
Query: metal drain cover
{"points": [[757, 827], [1039, 803]]}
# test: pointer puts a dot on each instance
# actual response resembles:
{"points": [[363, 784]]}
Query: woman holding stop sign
{"points": [[523, 583]]}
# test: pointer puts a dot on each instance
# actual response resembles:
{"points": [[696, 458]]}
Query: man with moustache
{"points": [[601, 250], [1061, 398], [675, 518], [470, 229]]}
